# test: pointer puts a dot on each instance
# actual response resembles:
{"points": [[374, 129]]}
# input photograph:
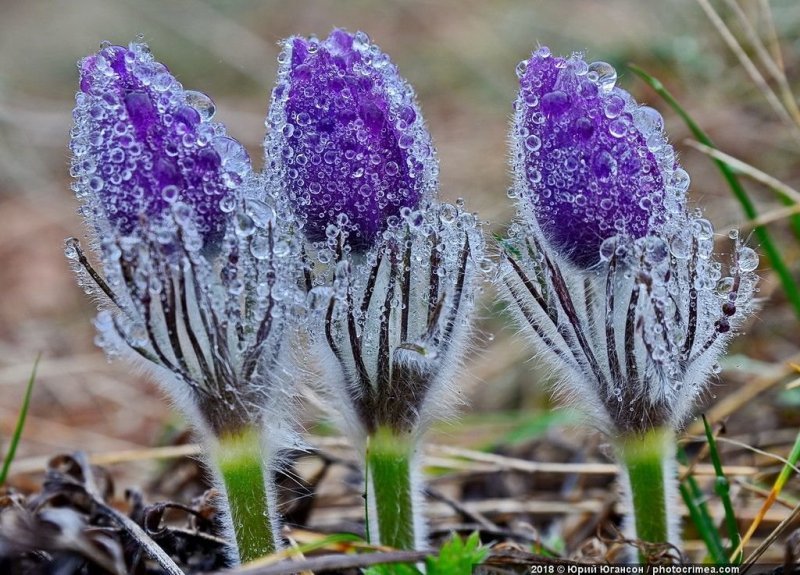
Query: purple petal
{"points": [[591, 162], [141, 142], [347, 140]]}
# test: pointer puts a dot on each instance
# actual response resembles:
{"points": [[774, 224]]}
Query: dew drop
{"points": [[448, 214], [259, 247], [182, 212], [607, 248], [391, 168], [202, 103], [649, 120], [614, 106], [96, 184], [533, 143], [244, 225], [170, 193], [680, 179], [704, 229], [227, 203], [71, 249], [724, 286], [679, 247], [618, 127], [748, 259], [603, 74], [555, 103]]}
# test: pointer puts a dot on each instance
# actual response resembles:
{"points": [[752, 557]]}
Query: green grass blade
{"points": [[794, 221], [769, 247], [777, 487], [722, 488], [694, 498], [534, 427], [23, 414]]}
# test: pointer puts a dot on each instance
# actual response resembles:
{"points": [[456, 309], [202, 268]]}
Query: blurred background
{"points": [[460, 55]]}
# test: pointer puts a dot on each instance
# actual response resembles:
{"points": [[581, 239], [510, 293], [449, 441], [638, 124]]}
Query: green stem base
{"points": [[391, 492], [239, 460], [648, 459]]}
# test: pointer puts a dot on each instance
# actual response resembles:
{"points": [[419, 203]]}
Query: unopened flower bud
{"points": [[346, 138]]}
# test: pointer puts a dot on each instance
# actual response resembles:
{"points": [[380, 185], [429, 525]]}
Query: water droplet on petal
{"points": [[170, 193], [603, 74], [202, 103], [71, 249]]}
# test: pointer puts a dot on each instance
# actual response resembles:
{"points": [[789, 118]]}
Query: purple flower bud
{"points": [[160, 183], [142, 144], [591, 162], [346, 137]]}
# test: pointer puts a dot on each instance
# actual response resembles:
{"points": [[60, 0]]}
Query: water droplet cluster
{"points": [[217, 322], [346, 137], [591, 161], [640, 332], [142, 144], [399, 312]]}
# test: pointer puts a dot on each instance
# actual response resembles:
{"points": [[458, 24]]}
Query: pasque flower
{"points": [[199, 267], [612, 277], [395, 271]]}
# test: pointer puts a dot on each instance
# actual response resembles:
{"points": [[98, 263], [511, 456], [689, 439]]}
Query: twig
{"points": [[455, 458], [772, 33], [476, 516], [763, 493], [767, 218], [751, 448], [751, 69], [503, 462], [767, 61], [771, 538], [331, 562], [747, 170], [746, 394], [89, 487], [150, 547]]}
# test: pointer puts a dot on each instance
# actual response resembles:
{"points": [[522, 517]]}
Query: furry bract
{"points": [[612, 276]]}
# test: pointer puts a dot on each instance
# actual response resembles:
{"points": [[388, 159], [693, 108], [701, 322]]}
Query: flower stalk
{"points": [[238, 457], [391, 495], [648, 461]]}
